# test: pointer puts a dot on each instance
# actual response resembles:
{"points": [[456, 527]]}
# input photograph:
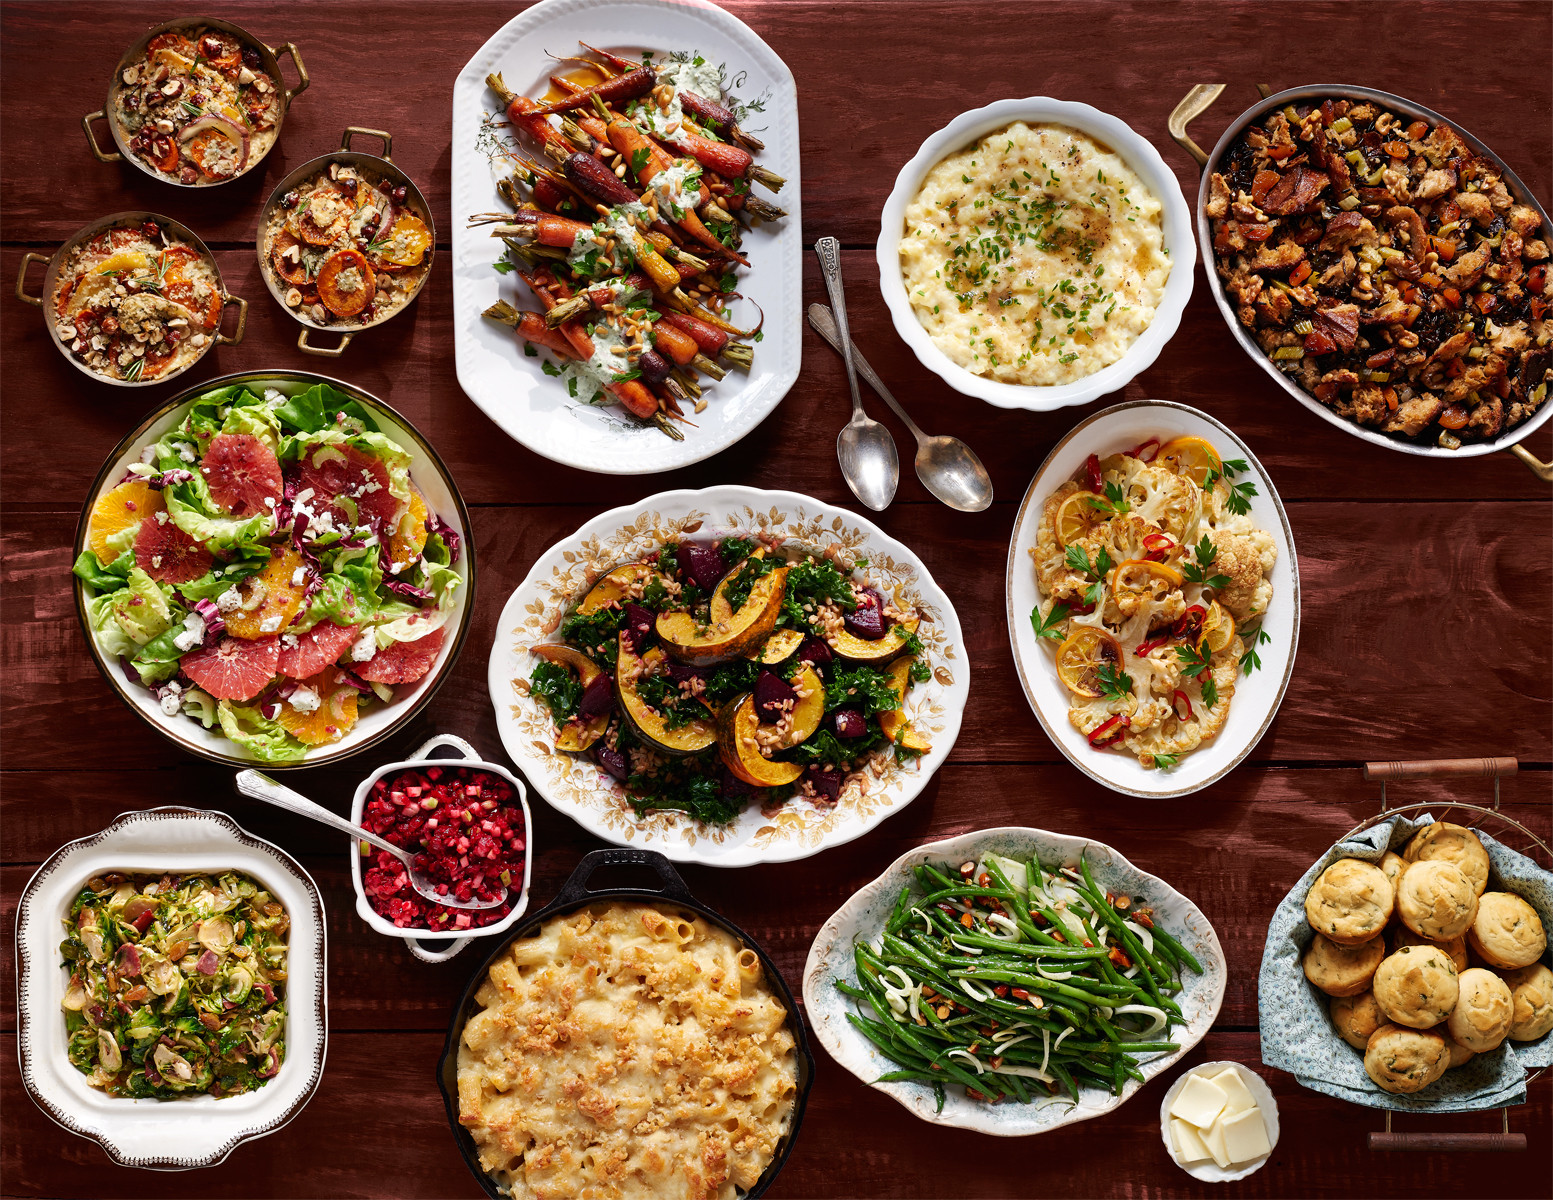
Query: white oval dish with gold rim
{"points": [[863, 917], [1257, 694], [574, 784]]}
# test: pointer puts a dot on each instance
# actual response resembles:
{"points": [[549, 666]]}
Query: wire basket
{"points": [[1504, 829]]}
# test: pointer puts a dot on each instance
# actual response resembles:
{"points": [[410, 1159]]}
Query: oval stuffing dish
{"points": [[1387, 268]]}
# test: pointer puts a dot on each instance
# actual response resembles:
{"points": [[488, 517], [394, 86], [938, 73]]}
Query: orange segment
{"points": [[334, 716], [1075, 517], [1193, 457], [275, 599], [1080, 657], [409, 536], [122, 508]]}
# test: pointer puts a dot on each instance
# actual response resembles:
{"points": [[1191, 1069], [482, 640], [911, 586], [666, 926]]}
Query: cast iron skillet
{"points": [[576, 894], [1194, 104]]}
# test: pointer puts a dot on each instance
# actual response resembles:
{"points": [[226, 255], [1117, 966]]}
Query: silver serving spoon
{"points": [[259, 786], [946, 466], [869, 462]]}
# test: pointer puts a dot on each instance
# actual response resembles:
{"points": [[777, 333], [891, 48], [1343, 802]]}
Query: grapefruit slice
{"points": [[335, 471], [409, 536], [167, 554], [402, 662], [334, 714], [242, 473], [316, 649], [270, 600], [233, 669], [126, 505]]}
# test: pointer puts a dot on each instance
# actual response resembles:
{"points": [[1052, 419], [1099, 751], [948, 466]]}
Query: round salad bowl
{"points": [[577, 786], [380, 164], [575, 894], [379, 722], [426, 946], [57, 260], [1258, 693], [1109, 131], [196, 1131], [862, 918], [1197, 102], [269, 59]]}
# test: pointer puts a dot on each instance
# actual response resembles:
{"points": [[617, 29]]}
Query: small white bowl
{"points": [[1141, 157], [1209, 1171], [414, 938], [193, 1131]]}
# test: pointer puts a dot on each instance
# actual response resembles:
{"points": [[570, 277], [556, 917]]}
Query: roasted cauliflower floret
{"points": [[1172, 735], [1051, 570], [1247, 559]]}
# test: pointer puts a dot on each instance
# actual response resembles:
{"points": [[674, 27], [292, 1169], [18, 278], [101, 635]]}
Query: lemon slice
{"points": [[1144, 577], [1075, 518], [1218, 629], [1193, 457], [1080, 657]]}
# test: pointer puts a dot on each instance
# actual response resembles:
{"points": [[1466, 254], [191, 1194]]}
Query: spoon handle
{"points": [[259, 786], [823, 322], [828, 251]]}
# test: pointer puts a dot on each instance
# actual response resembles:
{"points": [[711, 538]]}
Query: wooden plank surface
{"points": [[1426, 628]]}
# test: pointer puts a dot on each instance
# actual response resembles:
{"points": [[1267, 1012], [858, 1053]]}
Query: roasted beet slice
{"points": [[866, 621], [701, 563], [735, 788], [826, 783], [815, 652], [773, 698], [598, 697], [639, 623], [612, 760], [849, 723]]}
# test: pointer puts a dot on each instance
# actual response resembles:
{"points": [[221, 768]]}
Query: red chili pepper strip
{"points": [[1182, 698], [1092, 472], [1144, 649], [1159, 546], [1110, 731], [1191, 623], [1145, 451]]}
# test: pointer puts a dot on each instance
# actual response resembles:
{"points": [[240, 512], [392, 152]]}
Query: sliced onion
{"points": [[1159, 1020]]}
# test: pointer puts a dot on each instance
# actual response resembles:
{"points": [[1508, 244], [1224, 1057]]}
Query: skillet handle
{"points": [[236, 336], [576, 891], [386, 138], [1542, 470], [37, 301], [98, 152], [1192, 106], [307, 347], [290, 49]]}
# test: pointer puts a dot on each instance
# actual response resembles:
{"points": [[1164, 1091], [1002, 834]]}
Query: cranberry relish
{"points": [[465, 831]]}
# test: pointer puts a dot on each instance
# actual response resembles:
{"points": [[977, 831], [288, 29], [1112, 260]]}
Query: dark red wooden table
{"points": [[1426, 619]]}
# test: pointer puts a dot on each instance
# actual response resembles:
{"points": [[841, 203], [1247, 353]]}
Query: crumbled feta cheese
{"points": [[185, 451], [304, 700], [193, 632], [270, 624], [274, 397], [298, 577], [171, 698], [229, 600], [289, 640], [364, 647]]}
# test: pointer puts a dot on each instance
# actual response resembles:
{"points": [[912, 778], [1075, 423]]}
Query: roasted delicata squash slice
{"points": [[810, 709], [779, 647], [736, 742], [614, 587], [893, 643], [579, 733], [645, 721], [731, 636]]}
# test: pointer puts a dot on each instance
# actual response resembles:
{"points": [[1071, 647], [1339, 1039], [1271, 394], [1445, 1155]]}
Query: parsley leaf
{"points": [[1251, 660], [1194, 660], [1050, 626], [549, 368], [1239, 499], [1210, 692], [639, 160], [1115, 500], [1113, 682], [1078, 558], [1163, 762], [1207, 553]]}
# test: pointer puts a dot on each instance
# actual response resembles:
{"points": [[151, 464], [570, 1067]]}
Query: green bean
{"points": [[902, 910], [1180, 951]]}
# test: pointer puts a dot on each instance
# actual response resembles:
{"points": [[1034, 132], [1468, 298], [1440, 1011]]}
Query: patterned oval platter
{"points": [[575, 784]]}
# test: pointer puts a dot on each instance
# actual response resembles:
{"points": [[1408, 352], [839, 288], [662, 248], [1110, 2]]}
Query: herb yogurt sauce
{"points": [[1035, 256]]}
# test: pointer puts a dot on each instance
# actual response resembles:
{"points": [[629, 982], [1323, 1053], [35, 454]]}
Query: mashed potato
{"points": [[1035, 256]]}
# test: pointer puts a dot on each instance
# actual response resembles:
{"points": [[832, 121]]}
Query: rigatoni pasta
{"points": [[627, 1051]]}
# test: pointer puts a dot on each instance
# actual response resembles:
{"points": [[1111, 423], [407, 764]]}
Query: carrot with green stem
{"points": [[632, 85]]}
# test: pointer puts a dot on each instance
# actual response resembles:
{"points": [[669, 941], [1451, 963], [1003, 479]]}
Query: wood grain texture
{"points": [[1426, 627]]}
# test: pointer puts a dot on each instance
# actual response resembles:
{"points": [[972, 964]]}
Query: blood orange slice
{"points": [[243, 474], [315, 649], [167, 554], [330, 719], [233, 669], [270, 599], [402, 662], [335, 471], [125, 506]]}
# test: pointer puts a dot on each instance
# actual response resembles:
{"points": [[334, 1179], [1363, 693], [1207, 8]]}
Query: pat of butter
{"points": [[1238, 1097], [1213, 1138], [1245, 1136], [1188, 1142], [1199, 1102]]}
